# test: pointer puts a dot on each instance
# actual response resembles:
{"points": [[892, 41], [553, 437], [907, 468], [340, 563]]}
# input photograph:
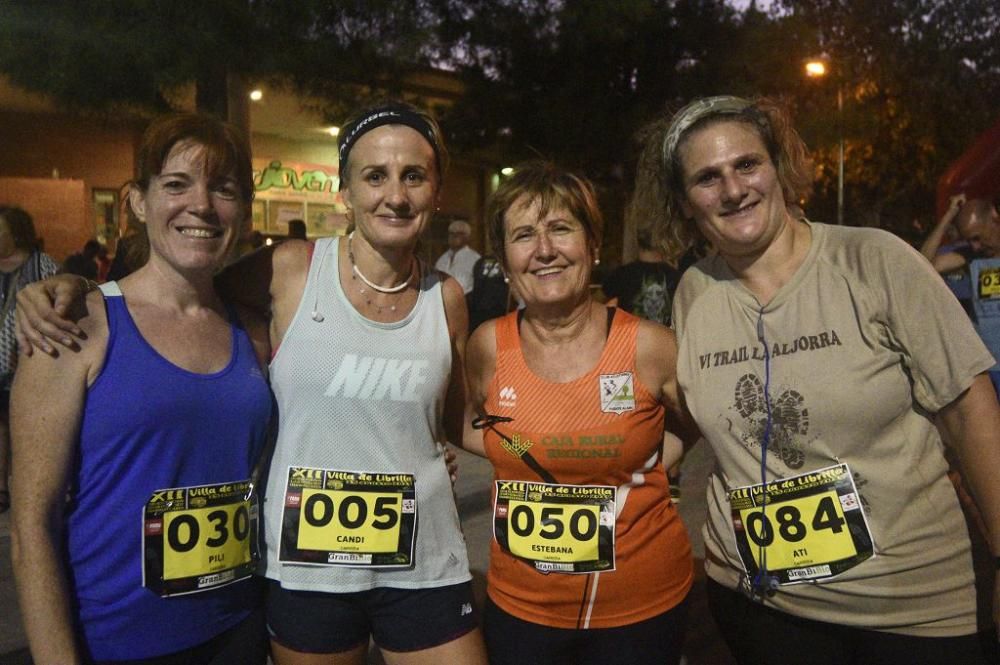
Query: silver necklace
{"points": [[370, 284], [357, 274]]}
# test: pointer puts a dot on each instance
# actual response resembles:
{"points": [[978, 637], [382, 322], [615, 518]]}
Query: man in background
{"points": [[459, 259]]}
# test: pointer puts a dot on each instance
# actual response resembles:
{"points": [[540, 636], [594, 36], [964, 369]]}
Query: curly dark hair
{"points": [[659, 188]]}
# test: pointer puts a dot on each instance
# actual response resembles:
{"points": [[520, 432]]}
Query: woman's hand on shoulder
{"points": [[78, 370], [47, 314]]}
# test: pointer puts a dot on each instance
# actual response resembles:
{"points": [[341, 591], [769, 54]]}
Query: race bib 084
{"points": [[557, 528], [199, 538], [348, 518], [812, 526]]}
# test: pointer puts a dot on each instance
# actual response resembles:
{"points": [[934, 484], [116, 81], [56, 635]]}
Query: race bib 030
{"points": [[199, 538]]}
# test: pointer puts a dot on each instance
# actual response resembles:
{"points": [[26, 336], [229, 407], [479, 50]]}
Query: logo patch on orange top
{"points": [[617, 392]]}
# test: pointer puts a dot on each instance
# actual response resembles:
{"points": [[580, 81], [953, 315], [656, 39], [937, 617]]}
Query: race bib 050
{"points": [[556, 528]]}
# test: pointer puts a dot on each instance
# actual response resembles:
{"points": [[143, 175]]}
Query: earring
{"points": [[597, 262], [506, 279]]}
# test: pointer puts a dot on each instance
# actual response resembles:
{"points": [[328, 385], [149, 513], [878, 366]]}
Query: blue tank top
{"points": [[148, 425]]}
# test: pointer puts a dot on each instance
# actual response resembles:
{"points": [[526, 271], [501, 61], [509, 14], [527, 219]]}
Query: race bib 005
{"points": [[199, 538], [556, 528], [812, 527], [348, 518]]}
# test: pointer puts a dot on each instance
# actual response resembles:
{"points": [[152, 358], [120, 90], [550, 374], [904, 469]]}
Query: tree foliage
{"points": [[569, 80], [103, 55]]}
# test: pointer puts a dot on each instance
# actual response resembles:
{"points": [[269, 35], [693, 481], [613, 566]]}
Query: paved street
{"points": [[703, 645]]}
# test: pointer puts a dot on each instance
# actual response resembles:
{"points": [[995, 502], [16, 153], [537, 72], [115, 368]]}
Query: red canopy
{"points": [[976, 172]]}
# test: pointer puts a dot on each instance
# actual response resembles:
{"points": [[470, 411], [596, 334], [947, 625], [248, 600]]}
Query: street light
{"points": [[818, 68]]}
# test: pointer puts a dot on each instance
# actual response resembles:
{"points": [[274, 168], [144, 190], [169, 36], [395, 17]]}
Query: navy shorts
{"points": [[398, 619]]}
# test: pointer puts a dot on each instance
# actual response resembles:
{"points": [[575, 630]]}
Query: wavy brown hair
{"points": [[659, 188]]}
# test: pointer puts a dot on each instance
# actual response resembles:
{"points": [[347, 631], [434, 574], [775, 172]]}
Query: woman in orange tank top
{"points": [[590, 562]]}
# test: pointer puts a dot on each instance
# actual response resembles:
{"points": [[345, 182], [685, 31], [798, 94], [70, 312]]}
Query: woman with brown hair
{"points": [[590, 561], [155, 427]]}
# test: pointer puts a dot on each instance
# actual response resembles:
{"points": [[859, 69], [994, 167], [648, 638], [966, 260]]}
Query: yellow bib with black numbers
{"points": [[352, 518], [811, 526], [989, 283], [199, 538], [557, 528]]}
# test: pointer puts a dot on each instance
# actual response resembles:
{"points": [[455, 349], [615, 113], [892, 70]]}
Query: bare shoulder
{"points": [[655, 339], [656, 354], [454, 305], [481, 355], [451, 290], [291, 259], [289, 271]]}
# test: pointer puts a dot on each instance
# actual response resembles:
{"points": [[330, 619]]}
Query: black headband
{"points": [[390, 114]]}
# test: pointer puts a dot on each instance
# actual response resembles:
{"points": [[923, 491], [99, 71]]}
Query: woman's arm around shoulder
{"points": [[47, 404], [47, 313]]}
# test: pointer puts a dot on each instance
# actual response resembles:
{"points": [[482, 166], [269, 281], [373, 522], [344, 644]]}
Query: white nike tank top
{"points": [[359, 395]]}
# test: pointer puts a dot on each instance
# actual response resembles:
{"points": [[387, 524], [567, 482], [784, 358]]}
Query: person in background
{"points": [[590, 563], [644, 287], [977, 224], [155, 425], [296, 229], [84, 263], [490, 294], [131, 252], [459, 259], [822, 364], [972, 268], [21, 263], [103, 264]]}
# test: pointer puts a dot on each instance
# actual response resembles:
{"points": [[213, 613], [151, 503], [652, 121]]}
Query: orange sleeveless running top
{"points": [[576, 442]]}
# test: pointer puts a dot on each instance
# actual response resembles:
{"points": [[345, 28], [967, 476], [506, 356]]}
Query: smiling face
{"points": [[392, 186], [548, 259], [192, 219], [731, 188]]}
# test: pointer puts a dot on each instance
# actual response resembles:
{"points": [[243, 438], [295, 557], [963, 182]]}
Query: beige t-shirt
{"points": [[866, 343]]}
